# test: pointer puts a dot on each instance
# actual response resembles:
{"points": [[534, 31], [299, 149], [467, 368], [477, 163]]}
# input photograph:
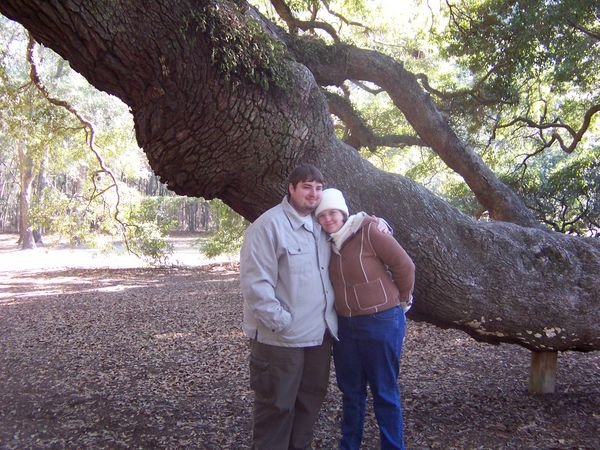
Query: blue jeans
{"points": [[368, 352]]}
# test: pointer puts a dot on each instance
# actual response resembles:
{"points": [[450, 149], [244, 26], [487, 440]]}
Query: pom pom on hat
{"points": [[332, 199]]}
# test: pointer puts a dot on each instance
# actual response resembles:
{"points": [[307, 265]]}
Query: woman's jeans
{"points": [[368, 352]]}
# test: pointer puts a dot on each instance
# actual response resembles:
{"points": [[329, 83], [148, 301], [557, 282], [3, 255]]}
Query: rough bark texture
{"points": [[205, 136]]}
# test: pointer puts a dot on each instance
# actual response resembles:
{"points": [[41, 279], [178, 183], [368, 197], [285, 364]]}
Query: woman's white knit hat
{"points": [[332, 199]]}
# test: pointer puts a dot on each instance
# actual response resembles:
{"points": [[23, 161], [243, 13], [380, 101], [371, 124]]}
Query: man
{"points": [[288, 315]]}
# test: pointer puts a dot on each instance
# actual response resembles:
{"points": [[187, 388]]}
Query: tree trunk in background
{"points": [[26, 238], [208, 136], [205, 216], [191, 212], [42, 183], [9, 184]]}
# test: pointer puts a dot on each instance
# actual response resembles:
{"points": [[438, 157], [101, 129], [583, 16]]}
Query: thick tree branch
{"points": [[333, 65]]}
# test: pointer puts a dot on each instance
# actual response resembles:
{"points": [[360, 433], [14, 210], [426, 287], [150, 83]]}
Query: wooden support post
{"points": [[543, 372]]}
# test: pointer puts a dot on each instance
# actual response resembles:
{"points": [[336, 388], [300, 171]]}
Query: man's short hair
{"points": [[305, 172]]}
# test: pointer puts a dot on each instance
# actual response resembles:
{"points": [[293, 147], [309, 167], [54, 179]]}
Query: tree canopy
{"points": [[227, 101]]}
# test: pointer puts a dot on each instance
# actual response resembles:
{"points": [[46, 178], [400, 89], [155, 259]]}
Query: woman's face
{"points": [[331, 220]]}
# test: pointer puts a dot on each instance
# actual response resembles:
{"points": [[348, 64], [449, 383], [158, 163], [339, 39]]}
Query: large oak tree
{"points": [[224, 107]]}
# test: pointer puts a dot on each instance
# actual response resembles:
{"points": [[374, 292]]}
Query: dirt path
{"points": [[53, 255]]}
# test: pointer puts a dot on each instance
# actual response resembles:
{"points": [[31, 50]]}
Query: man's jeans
{"points": [[369, 351]]}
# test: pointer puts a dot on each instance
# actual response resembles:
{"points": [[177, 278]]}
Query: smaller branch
{"points": [[454, 17], [360, 134], [476, 92], [97, 192], [344, 20], [294, 24], [528, 156], [590, 33], [368, 89], [576, 135], [89, 131]]}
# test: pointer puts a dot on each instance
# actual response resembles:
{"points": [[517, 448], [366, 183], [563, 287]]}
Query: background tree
{"points": [[26, 109], [225, 104], [64, 193], [538, 67]]}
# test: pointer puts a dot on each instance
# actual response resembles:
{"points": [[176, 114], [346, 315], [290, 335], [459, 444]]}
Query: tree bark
{"points": [[210, 136]]}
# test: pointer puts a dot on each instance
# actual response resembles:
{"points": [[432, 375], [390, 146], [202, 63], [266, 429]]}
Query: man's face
{"points": [[305, 196]]}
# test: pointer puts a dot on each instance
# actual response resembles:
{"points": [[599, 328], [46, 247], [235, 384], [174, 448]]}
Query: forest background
{"points": [[70, 166], [72, 174]]}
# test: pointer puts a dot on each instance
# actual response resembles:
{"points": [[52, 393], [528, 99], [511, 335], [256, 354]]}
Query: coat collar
{"points": [[296, 220]]}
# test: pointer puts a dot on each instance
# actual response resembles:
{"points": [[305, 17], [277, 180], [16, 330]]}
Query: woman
{"points": [[373, 279]]}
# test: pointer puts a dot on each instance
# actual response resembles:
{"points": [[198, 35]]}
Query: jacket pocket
{"points": [[299, 260], [370, 295]]}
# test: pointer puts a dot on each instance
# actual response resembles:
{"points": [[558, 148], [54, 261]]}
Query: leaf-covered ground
{"points": [[154, 358]]}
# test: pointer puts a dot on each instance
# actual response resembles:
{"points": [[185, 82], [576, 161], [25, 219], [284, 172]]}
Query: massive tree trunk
{"points": [[217, 134]]}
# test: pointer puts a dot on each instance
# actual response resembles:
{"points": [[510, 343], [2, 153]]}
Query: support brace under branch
{"points": [[543, 372]]}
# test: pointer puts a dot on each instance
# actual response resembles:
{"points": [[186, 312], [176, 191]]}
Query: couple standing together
{"points": [[310, 281]]}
